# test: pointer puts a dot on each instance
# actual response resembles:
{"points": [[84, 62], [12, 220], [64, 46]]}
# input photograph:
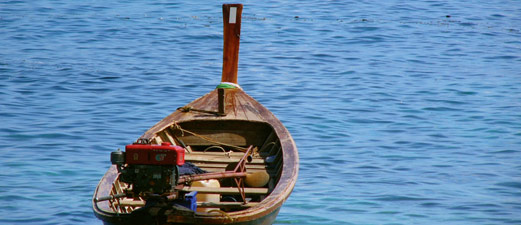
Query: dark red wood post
{"points": [[232, 33]]}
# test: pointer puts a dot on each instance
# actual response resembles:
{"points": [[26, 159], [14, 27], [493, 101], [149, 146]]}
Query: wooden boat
{"points": [[227, 133]]}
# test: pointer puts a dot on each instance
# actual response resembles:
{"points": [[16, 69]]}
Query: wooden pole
{"points": [[206, 176], [220, 99], [232, 33]]}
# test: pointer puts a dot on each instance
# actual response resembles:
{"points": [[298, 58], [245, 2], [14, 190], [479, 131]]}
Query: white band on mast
{"points": [[233, 15]]}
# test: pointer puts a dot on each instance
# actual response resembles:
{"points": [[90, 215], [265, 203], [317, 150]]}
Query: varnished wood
{"points": [[232, 34]]}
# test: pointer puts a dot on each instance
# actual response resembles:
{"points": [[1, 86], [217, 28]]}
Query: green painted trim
{"points": [[226, 86]]}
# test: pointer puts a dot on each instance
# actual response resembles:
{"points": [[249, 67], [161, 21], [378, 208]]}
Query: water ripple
{"points": [[403, 112]]}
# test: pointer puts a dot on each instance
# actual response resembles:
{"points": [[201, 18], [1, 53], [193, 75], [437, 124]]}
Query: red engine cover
{"points": [[165, 154]]}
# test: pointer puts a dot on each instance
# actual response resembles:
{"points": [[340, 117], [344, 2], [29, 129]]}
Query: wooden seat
{"points": [[226, 190], [226, 205], [131, 202], [217, 158]]}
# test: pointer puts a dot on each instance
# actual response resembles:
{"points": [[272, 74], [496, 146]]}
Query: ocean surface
{"points": [[404, 112]]}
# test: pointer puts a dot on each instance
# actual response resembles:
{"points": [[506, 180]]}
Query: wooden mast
{"points": [[232, 32]]}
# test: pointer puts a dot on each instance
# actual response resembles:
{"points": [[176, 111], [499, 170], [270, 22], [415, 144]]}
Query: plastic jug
{"points": [[215, 198]]}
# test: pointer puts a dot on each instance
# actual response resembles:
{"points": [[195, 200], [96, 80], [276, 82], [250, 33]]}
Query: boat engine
{"points": [[149, 168]]}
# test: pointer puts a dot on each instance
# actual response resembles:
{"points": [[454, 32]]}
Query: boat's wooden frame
{"points": [[235, 121]]}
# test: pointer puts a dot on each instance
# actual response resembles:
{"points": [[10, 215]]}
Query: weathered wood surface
{"points": [[239, 106]]}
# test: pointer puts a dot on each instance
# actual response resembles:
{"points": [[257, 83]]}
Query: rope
{"points": [[189, 108], [177, 127], [226, 215], [215, 146]]}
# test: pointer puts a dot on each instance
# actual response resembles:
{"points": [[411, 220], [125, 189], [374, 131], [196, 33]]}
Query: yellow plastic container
{"points": [[215, 198], [257, 179]]}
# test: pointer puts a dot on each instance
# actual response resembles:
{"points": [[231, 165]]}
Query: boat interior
{"points": [[217, 146]]}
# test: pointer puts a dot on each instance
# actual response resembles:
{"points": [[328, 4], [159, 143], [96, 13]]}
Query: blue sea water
{"points": [[404, 112]]}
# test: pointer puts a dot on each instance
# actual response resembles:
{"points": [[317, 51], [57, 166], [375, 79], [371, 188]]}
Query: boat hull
{"points": [[103, 212], [243, 112], [117, 220]]}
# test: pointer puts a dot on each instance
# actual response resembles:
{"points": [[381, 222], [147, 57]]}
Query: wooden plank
{"points": [[223, 165], [131, 202], [164, 134], [225, 190], [226, 204], [231, 154], [140, 203], [228, 155], [118, 187], [157, 140], [222, 159], [212, 170], [220, 167]]}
